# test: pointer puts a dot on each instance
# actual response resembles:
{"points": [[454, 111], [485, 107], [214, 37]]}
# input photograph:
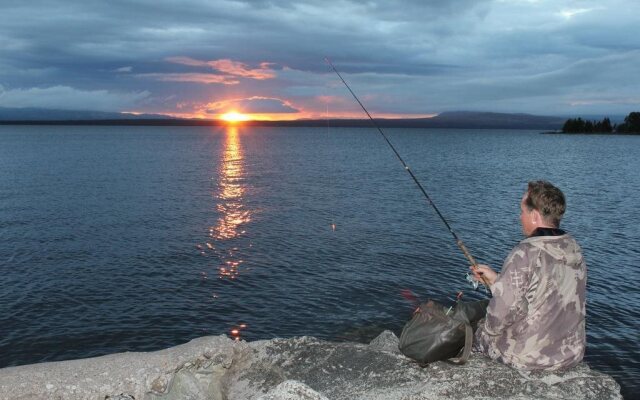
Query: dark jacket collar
{"points": [[547, 232]]}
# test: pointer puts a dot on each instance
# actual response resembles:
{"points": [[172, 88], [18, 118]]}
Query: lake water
{"points": [[138, 238]]}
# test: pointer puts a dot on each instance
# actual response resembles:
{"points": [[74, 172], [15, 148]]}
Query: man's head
{"points": [[542, 206]]}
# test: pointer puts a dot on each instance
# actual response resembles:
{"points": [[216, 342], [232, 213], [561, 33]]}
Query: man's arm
{"points": [[509, 304]]}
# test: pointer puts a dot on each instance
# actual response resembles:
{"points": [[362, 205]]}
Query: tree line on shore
{"points": [[631, 124]]}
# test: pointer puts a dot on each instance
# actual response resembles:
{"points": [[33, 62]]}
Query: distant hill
{"points": [[452, 119], [479, 120], [42, 114]]}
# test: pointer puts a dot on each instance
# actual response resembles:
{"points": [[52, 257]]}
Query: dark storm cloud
{"points": [[418, 57]]}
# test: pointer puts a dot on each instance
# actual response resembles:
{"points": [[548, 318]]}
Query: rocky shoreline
{"points": [[301, 368]]}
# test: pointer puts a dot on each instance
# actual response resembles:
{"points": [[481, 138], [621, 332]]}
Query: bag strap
{"points": [[466, 350]]}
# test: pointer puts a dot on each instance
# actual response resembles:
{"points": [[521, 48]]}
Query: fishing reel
{"points": [[474, 283]]}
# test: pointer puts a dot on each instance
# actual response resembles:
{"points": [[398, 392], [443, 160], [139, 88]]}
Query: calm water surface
{"points": [[137, 238]]}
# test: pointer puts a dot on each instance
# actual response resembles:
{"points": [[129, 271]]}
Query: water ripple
{"points": [[115, 239]]}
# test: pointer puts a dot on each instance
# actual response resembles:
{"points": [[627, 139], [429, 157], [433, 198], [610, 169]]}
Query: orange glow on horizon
{"points": [[234, 116], [295, 116]]}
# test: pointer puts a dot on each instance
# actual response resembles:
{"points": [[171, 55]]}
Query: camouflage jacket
{"points": [[536, 318]]}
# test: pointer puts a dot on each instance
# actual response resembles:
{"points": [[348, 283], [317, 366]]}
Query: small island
{"points": [[631, 125]]}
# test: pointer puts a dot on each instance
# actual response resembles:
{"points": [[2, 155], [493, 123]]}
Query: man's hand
{"points": [[484, 274]]}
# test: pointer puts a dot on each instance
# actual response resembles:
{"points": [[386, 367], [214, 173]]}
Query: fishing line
{"points": [[459, 242]]}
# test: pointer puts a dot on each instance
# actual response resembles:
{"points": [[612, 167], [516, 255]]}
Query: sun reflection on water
{"points": [[232, 211], [226, 240]]}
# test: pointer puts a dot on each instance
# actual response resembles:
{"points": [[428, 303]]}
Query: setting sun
{"points": [[233, 116]]}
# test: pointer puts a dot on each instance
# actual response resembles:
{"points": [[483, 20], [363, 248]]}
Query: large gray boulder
{"points": [[302, 368]]}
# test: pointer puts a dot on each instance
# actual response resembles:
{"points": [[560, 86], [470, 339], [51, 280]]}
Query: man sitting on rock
{"points": [[536, 318]]}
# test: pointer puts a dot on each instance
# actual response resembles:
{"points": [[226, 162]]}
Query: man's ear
{"points": [[536, 217]]}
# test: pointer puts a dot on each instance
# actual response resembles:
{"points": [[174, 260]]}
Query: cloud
{"points": [[570, 13], [229, 72], [240, 69], [420, 57], [253, 105], [187, 61], [635, 101], [68, 98], [192, 77], [229, 67]]}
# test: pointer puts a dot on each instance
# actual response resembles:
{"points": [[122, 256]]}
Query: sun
{"points": [[234, 116]]}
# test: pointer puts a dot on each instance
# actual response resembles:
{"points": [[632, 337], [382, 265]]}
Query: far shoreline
{"points": [[333, 123], [418, 123]]}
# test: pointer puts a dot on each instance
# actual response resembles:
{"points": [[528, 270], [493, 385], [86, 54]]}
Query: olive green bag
{"points": [[432, 334]]}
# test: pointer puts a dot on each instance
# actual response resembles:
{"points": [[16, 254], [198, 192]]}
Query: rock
{"points": [[292, 390], [115, 376], [302, 368], [386, 341]]}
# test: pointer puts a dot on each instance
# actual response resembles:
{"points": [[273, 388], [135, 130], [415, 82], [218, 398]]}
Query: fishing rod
{"points": [[459, 242]]}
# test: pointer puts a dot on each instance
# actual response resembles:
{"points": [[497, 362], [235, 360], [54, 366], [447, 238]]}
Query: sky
{"points": [[412, 58]]}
